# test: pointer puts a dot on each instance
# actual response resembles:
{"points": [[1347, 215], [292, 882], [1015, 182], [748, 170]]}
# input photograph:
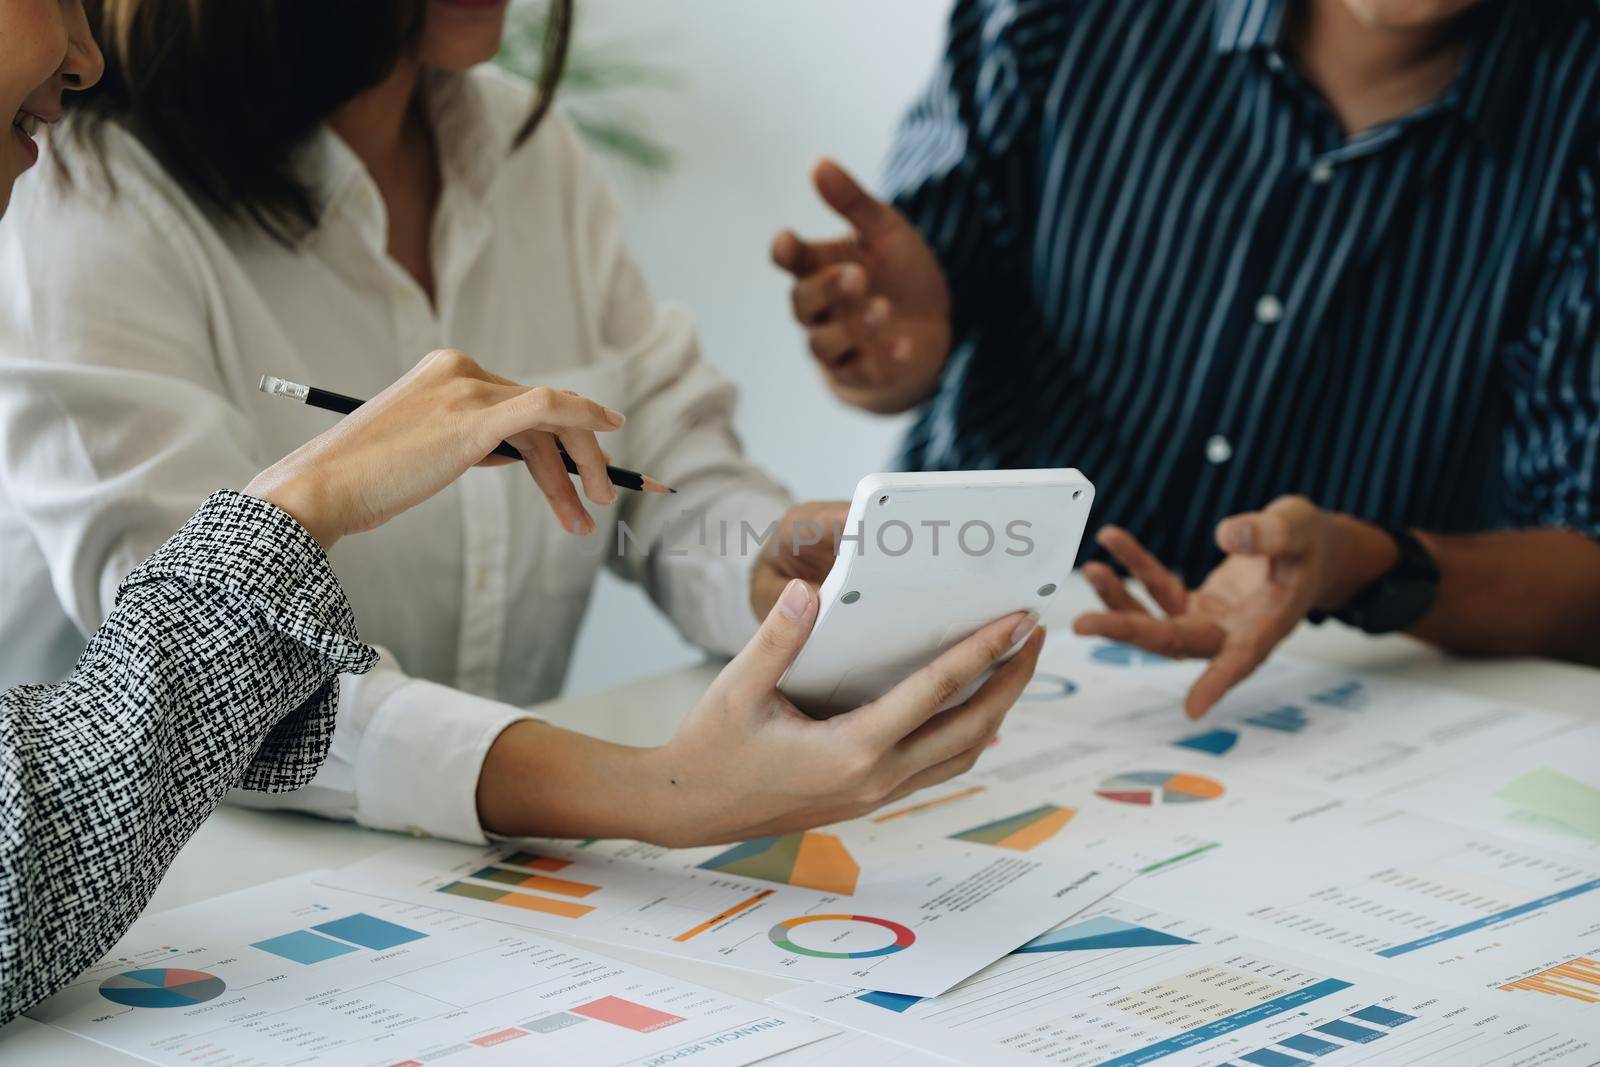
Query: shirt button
{"points": [[1269, 309], [1275, 62], [1218, 449], [1321, 173]]}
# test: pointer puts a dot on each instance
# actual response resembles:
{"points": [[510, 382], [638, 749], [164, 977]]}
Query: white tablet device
{"points": [[926, 560]]}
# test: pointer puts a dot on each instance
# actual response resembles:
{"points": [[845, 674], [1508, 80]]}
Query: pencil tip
{"points": [[650, 485]]}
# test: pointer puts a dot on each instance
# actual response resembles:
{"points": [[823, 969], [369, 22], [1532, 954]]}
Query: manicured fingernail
{"points": [[795, 599], [580, 526], [617, 418], [877, 313], [902, 350], [853, 280], [1029, 623]]}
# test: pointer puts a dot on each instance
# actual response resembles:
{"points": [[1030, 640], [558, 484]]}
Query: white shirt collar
{"points": [[473, 147]]}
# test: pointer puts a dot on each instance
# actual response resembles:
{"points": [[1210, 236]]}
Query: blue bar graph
{"points": [[1313, 1045], [1268, 1058], [1382, 1016], [1287, 719], [1351, 696], [1215, 742], [368, 932], [1228, 1024], [1490, 920], [303, 946], [896, 1002], [1345, 1030]]}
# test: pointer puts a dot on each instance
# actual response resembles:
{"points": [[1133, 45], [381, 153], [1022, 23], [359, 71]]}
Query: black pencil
{"points": [[311, 396]]}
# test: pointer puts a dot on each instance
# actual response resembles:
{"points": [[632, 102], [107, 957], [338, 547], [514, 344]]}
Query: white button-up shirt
{"points": [[133, 331]]}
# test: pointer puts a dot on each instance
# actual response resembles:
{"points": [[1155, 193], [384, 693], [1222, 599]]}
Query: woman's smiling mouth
{"points": [[23, 127]]}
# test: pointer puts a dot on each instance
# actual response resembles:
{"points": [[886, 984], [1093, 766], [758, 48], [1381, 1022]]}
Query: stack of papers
{"points": [[1332, 868]]}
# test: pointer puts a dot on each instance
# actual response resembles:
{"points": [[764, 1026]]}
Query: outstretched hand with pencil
{"points": [[423, 432]]}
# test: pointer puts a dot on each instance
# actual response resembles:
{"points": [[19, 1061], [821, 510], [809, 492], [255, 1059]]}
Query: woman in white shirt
{"points": [[321, 191]]}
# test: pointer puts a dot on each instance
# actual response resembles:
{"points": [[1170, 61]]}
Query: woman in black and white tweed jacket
{"points": [[219, 664]]}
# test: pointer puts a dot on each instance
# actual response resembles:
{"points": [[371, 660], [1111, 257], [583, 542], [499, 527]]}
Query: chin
{"points": [[459, 34], [1409, 14]]}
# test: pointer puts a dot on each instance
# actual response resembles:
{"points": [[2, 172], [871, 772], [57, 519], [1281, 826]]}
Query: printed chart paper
{"points": [[1352, 734], [802, 906], [1122, 986], [1435, 904], [1546, 794], [297, 973], [855, 1050], [1051, 797]]}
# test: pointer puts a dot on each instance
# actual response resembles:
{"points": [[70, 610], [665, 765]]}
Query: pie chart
{"points": [[162, 987], [1150, 788]]}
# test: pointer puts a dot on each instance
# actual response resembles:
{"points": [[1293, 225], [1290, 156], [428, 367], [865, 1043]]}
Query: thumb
{"points": [[1283, 529], [759, 665], [844, 194]]}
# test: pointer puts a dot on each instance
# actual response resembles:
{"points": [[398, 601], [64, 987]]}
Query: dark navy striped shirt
{"points": [[1173, 270]]}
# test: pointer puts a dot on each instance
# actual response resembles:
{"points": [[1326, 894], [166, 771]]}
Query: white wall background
{"points": [[766, 88]]}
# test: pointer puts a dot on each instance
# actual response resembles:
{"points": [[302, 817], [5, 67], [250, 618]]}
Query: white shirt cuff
{"points": [[421, 757]]}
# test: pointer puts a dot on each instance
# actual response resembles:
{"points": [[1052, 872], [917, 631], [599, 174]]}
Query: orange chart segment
{"points": [[913, 809], [535, 862], [1021, 833], [810, 860], [1577, 979], [567, 909], [542, 882]]}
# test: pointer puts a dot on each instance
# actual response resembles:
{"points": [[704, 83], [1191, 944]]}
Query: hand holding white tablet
{"points": [[927, 559], [747, 763]]}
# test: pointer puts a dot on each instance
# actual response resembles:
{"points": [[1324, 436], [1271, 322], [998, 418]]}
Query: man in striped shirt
{"points": [[1334, 259]]}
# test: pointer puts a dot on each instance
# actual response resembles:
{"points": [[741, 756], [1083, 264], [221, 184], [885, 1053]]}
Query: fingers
{"points": [[1166, 588], [844, 194], [1111, 589], [836, 339], [550, 474], [590, 460], [555, 410], [1232, 665], [831, 342], [755, 671], [802, 258], [899, 712], [819, 296], [975, 721], [1284, 528], [1176, 638]]}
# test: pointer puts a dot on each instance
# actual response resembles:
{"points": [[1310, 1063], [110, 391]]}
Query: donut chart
{"points": [[1046, 687], [780, 935], [162, 987]]}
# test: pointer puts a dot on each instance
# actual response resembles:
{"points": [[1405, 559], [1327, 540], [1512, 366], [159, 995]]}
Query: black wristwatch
{"points": [[1400, 597]]}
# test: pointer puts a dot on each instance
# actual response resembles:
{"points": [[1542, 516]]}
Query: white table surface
{"points": [[237, 848]]}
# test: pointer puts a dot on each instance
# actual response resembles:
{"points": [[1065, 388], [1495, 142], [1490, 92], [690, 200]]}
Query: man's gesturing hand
{"points": [[1282, 562], [874, 303]]}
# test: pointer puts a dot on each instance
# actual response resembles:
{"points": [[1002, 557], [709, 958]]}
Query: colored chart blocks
{"points": [[1023, 832], [810, 860]]}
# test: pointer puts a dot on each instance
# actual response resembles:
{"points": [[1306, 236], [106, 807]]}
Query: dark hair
{"points": [[223, 91]]}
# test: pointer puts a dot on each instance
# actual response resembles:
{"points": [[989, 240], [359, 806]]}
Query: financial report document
{"points": [[1333, 868], [297, 973], [804, 905], [1122, 985]]}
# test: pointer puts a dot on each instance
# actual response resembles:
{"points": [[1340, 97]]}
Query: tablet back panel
{"points": [[928, 559]]}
